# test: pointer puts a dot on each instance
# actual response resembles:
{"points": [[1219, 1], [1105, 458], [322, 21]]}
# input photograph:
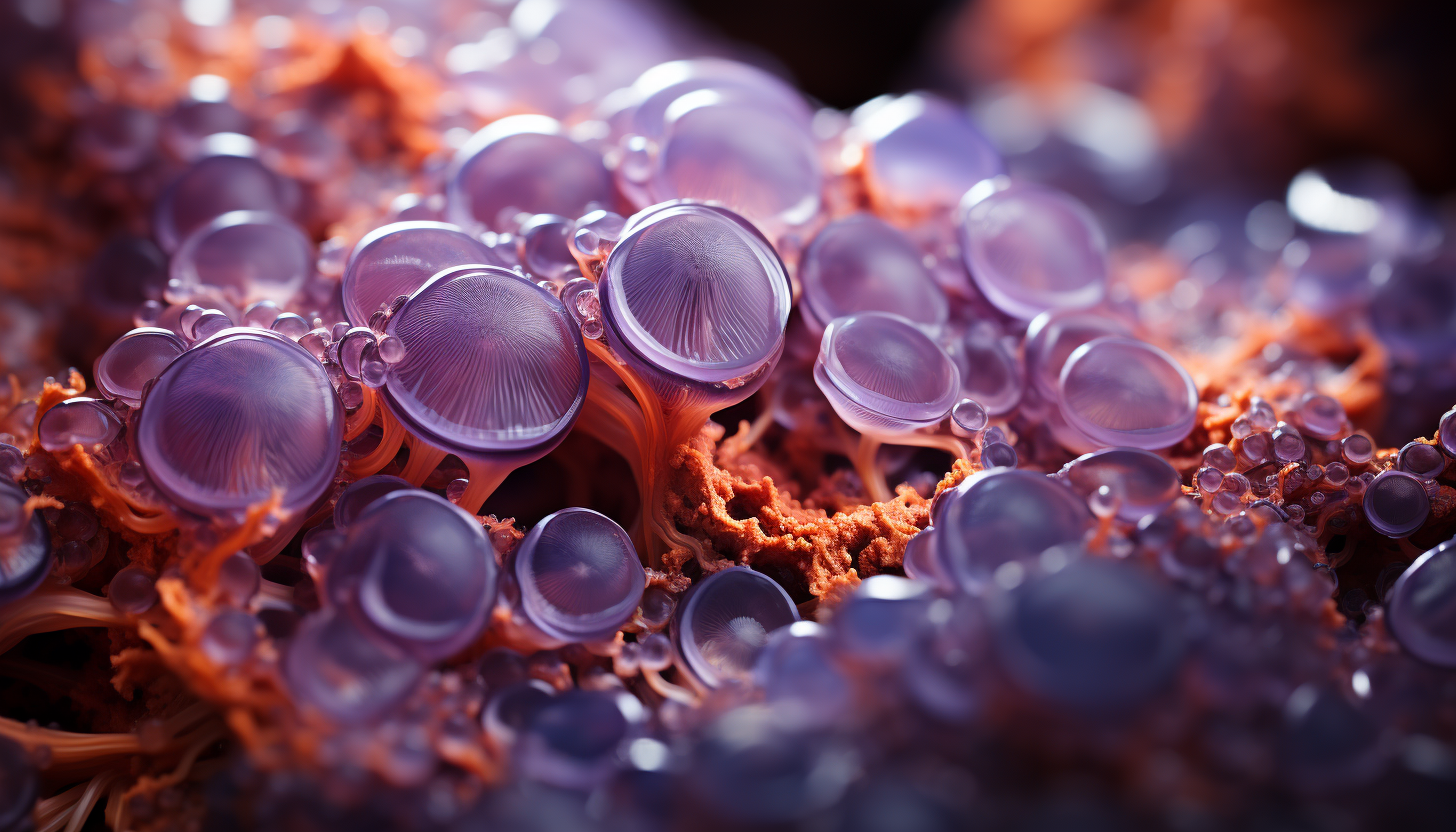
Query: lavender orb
{"points": [[419, 570], [1424, 460], [863, 264], [1095, 635], [1357, 449], [249, 256], [797, 666], [874, 627], [695, 294], [122, 372], [117, 138], [360, 494], [12, 462], [1396, 503], [990, 372], [1054, 335], [25, 545], [1030, 248], [725, 620], [580, 578], [237, 416], [512, 707], [574, 741], [922, 561], [883, 375], [214, 186], [132, 590], [1421, 610], [1328, 744], [1446, 432], [21, 785], [333, 667], [78, 421], [231, 635], [922, 153], [1004, 515], [493, 365], [398, 258], [238, 578], [1121, 391], [1288, 444], [1321, 416], [1142, 483], [523, 164], [657, 89], [998, 455]]}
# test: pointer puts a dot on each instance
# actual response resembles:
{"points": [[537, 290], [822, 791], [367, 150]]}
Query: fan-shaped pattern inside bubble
{"points": [[664, 84], [492, 363], [1095, 634], [1004, 515], [247, 255], [1396, 503], [135, 359], [398, 258], [1031, 248], [332, 666], [882, 374], [698, 293], [214, 186], [756, 161], [579, 575], [726, 621], [237, 416], [863, 264], [523, 164], [25, 559], [420, 570], [1422, 607], [1122, 391]]}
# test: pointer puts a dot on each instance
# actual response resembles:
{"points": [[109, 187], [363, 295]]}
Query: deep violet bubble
{"points": [[525, 164], [696, 292], [1446, 432], [923, 153], [1143, 483], [241, 414], [1122, 391], [875, 626], [132, 590], [862, 264], [1054, 335], [1004, 515], [662, 85], [493, 364], [21, 784], [580, 578], [884, 375], [1095, 634], [79, 421], [1031, 248], [360, 494], [990, 372], [574, 740], [420, 570], [725, 620], [797, 667], [26, 557], [1396, 503], [1421, 610], [214, 186], [398, 258], [331, 665], [246, 255], [761, 767], [1424, 460], [122, 372], [1327, 743], [186, 127]]}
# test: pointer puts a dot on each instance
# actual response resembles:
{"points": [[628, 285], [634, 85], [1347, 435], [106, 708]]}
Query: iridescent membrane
{"points": [[332, 666], [237, 416], [398, 258], [580, 578], [883, 375], [1121, 391], [725, 620], [862, 264], [1054, 335], [1396, 503]]}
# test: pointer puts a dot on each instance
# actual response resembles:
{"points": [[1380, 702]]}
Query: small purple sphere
{"points": [[122, 372], [1422, 607], [79, 421], [1396, 503], [214, 186]]}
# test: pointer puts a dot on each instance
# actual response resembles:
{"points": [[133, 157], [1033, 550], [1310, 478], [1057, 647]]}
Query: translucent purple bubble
{"points": [[875, 626], [132, 590], [696, 292], [332, 666], [1143, 484], [968, 418], [1424, 460], [356, 498], [990, 372], [1396, 503], [1257, 448], [214, 186], [579, 575], [27, 545], [185, 128], [923, 563], [12, 462], [862, 264], [1030, 248], [1121, 391], [419, 570], [543, 245], [998, 455], [512, 707], [247, 255], [797, 666], [574, 740], [78, 421], [126, 272], [1288, 444], [1446, 433], [1004, 515], [116, 137], [231, 635], [1096, 634], [884, 375], [493, 364], [923, 152], [136, 358], [1421, 610], [524, 164], [237, 416], [725, 620], [238, 578], [398, 258], [1321, 416], [22, 785], [661, 86]]}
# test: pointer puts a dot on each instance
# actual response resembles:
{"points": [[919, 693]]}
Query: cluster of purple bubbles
{"points": [[684, 233]]}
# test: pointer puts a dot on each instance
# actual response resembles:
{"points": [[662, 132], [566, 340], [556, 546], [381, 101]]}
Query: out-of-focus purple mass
{"points": [[636, 416]]}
